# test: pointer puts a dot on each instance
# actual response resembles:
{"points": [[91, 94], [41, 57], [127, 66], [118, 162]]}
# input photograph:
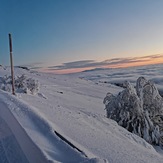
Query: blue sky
{"points": [[53, 32]]}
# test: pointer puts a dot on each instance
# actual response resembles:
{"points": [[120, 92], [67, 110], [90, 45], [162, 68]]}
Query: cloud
{"points": [[81, 65], [118, 61], [78, 64], [34, 65], [152, 56], [106, 63]]}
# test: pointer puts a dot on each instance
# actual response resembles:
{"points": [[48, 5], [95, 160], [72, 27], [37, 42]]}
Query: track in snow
{"points": [[15, 144]]}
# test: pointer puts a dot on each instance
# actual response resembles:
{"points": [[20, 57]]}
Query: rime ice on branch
{"points": [[139, 110]]}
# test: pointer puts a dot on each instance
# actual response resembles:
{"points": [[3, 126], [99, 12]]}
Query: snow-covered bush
{"points": [[139, 110], [22, 84], [5, 83]]}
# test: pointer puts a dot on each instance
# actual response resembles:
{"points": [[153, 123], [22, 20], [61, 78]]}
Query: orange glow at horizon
{"points": [[137, 62]]}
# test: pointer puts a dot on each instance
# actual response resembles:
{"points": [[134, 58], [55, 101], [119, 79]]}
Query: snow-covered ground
{"points": [[66, 121]]}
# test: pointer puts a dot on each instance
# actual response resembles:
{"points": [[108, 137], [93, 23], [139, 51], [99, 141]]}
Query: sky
{"points": [[73, 35]]}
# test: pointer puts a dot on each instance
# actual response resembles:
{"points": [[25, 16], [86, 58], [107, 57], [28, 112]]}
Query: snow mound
{"points": [[138, 109], [22, 84]]}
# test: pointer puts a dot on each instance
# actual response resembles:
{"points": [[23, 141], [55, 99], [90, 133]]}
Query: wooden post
{"points": [[11, 64]]}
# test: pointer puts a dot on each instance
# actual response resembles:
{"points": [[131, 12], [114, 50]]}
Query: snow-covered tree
{"points": [[139, 110], [22, 84]]}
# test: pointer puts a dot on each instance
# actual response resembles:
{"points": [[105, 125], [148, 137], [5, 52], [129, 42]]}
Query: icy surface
{"points": [[10, 150]]}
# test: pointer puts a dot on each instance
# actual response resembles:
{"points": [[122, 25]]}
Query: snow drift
{"points": [[138, 109]]}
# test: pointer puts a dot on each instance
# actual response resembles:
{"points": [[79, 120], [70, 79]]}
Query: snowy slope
{"points": [[38, 130], [72, 105]]}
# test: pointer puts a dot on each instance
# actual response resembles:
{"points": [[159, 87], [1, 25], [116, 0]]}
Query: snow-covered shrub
{"points": [[5, 83], [32, 85], [139, 110], [22, 84]]}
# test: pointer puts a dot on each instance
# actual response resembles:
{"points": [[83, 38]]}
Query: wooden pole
{"points": [[11, 64]]}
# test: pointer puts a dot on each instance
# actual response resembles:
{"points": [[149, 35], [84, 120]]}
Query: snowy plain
{"points": [[70, 107]]}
